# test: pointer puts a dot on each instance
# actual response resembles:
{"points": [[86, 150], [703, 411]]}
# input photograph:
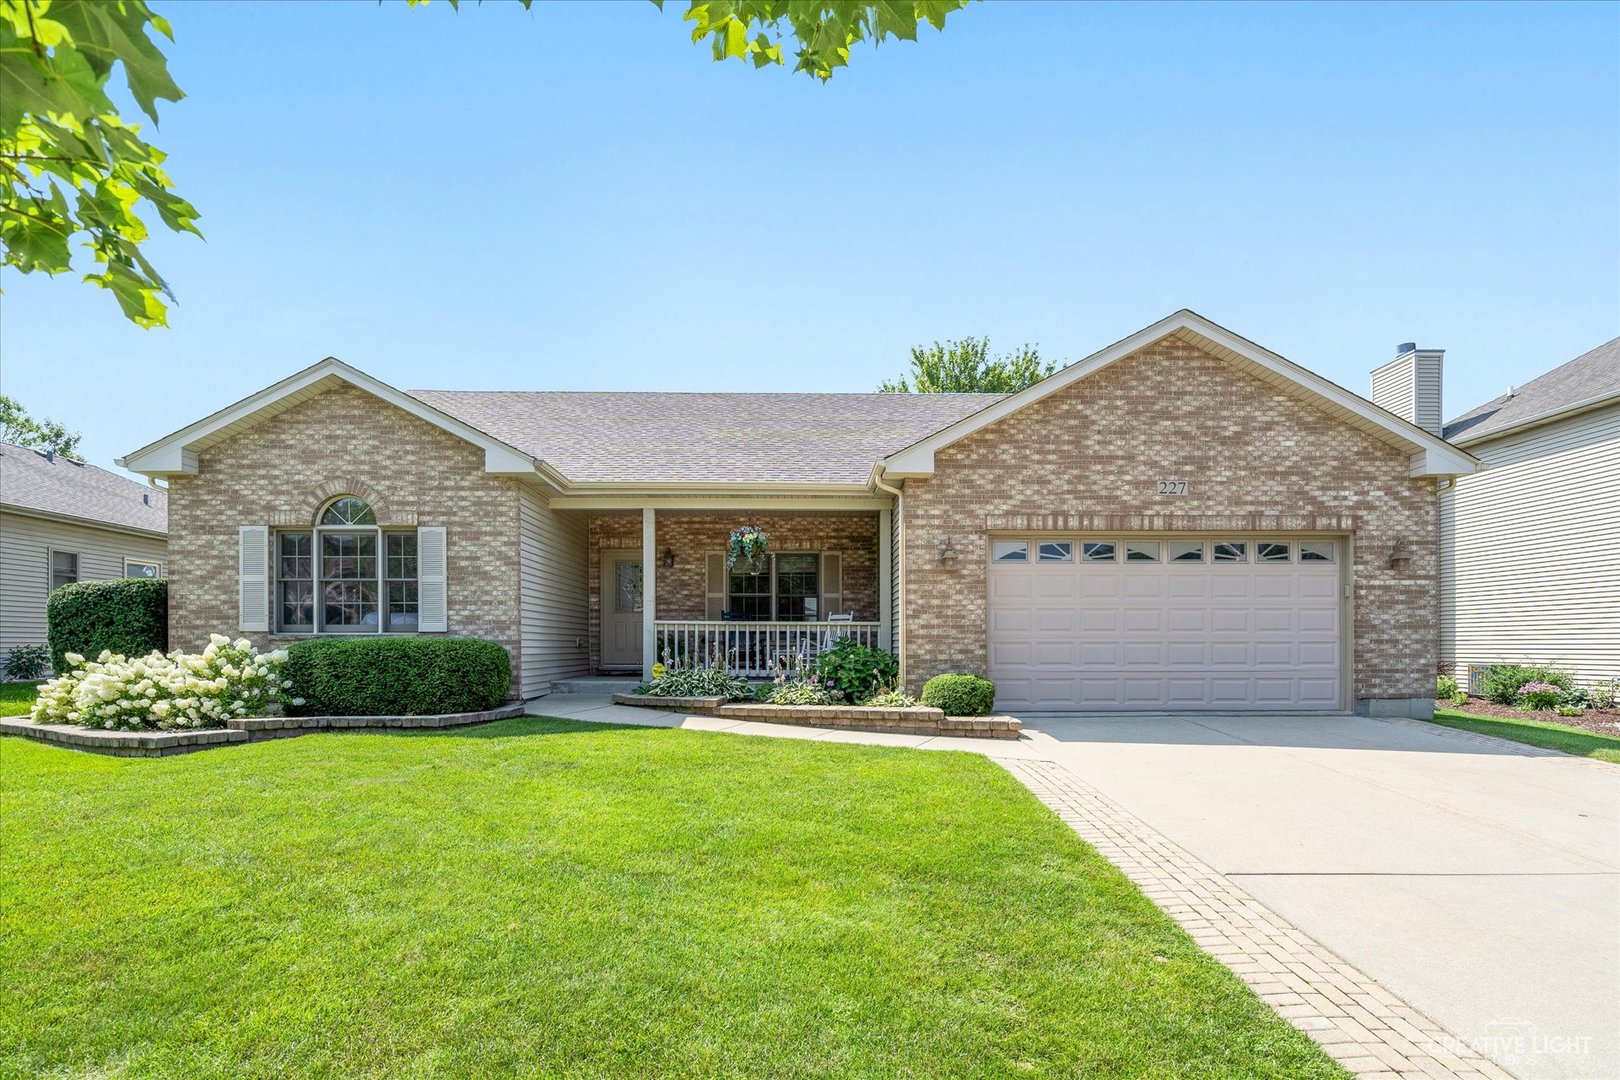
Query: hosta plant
{"points": [[712, 681], [891, 698], [228, 679]]}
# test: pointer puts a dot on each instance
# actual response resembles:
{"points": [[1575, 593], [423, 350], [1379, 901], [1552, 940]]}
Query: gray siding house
{"points": [[1530, 545], [63, 520]]}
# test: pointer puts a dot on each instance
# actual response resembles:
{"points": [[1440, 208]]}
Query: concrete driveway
{"points": [[1475, 878]]}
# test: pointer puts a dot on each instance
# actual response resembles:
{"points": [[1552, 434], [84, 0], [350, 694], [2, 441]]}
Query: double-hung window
{"points": [[346, 575], [786, 588], [64, 568]]}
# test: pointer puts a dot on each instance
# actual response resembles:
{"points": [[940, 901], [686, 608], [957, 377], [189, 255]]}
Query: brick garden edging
{"points": [[917, 720], [247, 729]]}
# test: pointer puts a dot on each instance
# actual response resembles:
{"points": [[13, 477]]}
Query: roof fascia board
{"points": [[735, 501], [1438, 456], [173, 453], [1548, 417]]}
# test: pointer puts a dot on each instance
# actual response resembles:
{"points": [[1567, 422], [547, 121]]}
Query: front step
{"points": [[600, 685]]}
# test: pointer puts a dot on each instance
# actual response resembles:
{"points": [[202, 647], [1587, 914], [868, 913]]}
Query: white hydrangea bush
{"points": [[181, 690]]}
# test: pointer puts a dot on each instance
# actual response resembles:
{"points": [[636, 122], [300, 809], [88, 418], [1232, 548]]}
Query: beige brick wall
{"points": [[344, 441], [682, 590], [1087, 457]]}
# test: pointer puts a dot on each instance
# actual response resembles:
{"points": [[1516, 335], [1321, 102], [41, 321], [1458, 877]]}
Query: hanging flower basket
{"points": [[749, 543]]}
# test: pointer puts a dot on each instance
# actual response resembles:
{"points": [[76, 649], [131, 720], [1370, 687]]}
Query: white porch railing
{"points": [[754, 648]]}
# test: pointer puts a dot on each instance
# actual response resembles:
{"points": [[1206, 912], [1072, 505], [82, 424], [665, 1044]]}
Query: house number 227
{"points": [[1172, 487]]}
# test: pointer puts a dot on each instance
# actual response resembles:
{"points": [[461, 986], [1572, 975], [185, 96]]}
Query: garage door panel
{"points": [[1158, 635], [1318, 620], [1319, 654]]}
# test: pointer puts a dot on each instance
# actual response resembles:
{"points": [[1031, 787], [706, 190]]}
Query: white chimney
{"points": [[1409, 386]]}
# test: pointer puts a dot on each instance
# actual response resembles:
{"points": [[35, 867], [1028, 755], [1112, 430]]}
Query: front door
{"points": [[621, 609]]}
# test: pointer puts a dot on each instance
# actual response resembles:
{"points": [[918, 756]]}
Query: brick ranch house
{"points": [[1182, 520]]}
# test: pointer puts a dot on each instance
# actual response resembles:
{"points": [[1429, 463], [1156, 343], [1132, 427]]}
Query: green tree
{"points": [[966, 367], [20, 429], [75, 172]]}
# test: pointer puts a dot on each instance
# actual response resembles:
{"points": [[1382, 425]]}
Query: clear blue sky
{"points": [[578, 198]]}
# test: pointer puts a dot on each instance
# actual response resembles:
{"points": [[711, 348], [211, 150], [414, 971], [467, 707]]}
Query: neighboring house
{"points": [[1183, 520], [1530, 547], [63, 520]]}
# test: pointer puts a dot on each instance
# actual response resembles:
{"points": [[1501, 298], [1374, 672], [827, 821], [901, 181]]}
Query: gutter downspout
{"points": [[897, 568]]}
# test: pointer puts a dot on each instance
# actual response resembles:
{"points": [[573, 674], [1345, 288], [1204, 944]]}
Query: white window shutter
{"points": [[832, 585], [432, 598], [714, 591], [253, 568]]}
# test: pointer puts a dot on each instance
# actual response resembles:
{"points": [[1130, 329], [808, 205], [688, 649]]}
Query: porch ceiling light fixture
{"points": [[669, 558], [947, 553]]}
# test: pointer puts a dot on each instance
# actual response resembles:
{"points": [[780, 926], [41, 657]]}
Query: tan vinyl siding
{"points": [[552, 617], [25, 543], [1530, 570]]}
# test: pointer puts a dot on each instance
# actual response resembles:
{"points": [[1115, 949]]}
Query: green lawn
{"points": [[1548, 736], [542, 898], [16, 698]]}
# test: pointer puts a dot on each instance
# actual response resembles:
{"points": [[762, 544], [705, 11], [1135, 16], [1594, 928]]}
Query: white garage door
{"points": [[1165, 623]]}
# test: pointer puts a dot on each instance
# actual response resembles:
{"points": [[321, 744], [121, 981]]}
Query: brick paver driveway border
{"points": [[1364, 1026]]}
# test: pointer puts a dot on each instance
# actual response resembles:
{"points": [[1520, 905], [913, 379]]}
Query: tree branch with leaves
{"points": [[966, 367], [74, 173], [20, 429]]}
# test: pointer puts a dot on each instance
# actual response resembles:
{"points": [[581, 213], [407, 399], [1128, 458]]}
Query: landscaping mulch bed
{"points": [[1600, 721]]}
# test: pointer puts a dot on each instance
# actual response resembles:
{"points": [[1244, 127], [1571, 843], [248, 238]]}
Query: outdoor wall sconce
{"points": [[1400, 556], [669, 558], [947, 553]]}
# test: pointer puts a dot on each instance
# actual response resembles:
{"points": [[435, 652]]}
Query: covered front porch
{"points": [[661, 587]]}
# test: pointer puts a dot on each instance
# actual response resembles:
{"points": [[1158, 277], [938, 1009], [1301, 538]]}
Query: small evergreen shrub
{"points": [[123, 616], [27, 663], [396, 676], [855, 670], [1501, 682], [1445, 686], [960, 695]]}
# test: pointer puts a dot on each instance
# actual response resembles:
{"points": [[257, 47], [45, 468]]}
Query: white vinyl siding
{"points": [[1530, 564], [553, 602], [25, 546]]}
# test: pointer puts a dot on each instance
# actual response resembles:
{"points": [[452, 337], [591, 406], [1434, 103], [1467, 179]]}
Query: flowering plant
{"points": [[747, 542], [1540, 695], [181, 690]]}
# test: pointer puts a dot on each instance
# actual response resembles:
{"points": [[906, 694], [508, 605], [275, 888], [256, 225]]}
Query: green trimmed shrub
{"points": [[1501, 682], [960, 695], [395, 676], [855, 670], [128, 616]]}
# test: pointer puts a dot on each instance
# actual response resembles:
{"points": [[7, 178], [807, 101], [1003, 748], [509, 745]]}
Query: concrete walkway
{"points": [[1412, 896]]}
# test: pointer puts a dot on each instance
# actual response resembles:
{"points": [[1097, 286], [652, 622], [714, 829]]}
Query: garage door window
{"points": [[1316, 551], [1099, 551], [1186, 551], [1229, 551], [1142, 551], [1055, 551], [1010, 551], [1273, 551]]}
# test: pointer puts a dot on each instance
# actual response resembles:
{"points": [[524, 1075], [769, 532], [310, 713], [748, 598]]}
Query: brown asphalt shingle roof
{"points": [[30, 481], [700, 437], [1590, 375]]}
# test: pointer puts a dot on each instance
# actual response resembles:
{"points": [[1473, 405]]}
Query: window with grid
{"points": [[346, 575]]}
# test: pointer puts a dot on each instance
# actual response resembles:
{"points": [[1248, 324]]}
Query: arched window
{"points": [[349, 511], [346, 575]]}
